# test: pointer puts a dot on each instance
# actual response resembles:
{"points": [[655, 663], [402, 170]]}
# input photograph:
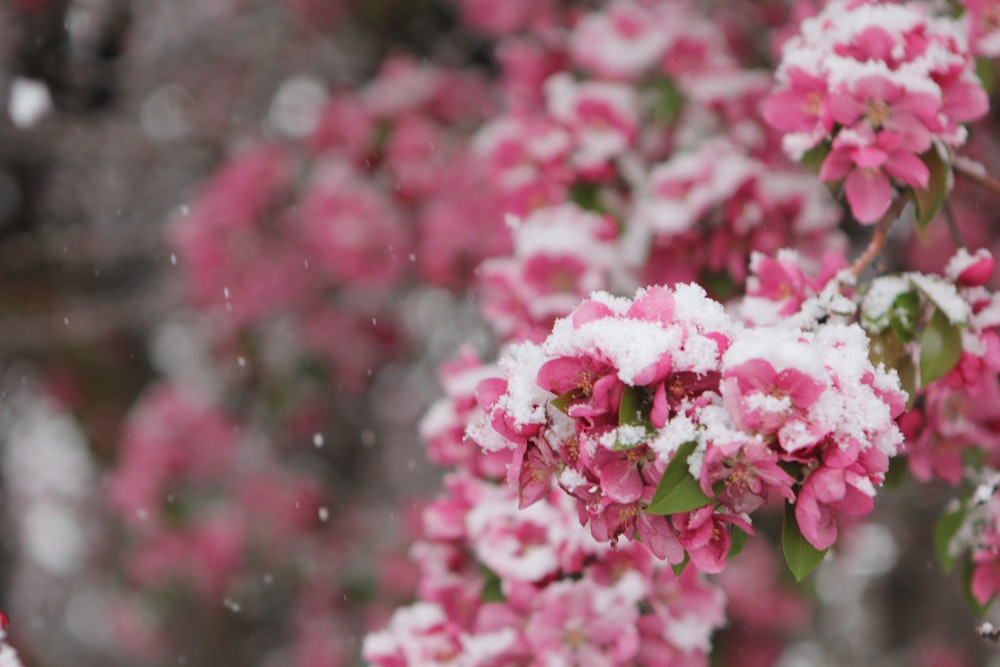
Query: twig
{"points": [[880, 235], [975, 172], [949, 215]]}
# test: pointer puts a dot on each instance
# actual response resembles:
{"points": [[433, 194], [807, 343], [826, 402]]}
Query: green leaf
{"points": [[814, 157], [940, 348], [801, 557], [633, 412], [944, 532], [492, 591], [719, 284], [679, 567], [929, 201], [940, 293], [669, 100], [561, 403], [678, 491], [587, 196], [905, 314], [974, 457], [896, 473], [738, 539], [987, 73], [907, 371]]}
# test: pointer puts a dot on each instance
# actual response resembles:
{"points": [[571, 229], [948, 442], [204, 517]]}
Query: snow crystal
{"points": [[877, 303], [782, 348], [524, 400], [944, 295], [676, 432], [963, 259]]}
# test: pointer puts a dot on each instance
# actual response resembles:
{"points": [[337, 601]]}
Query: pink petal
{"points": [[837, 164], [869, 194], [655, 305], [869, 157], [908, 168]]}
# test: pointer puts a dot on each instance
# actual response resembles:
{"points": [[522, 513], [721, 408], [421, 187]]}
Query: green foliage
{"points": [[940, 348], [738, 540], [986, 70], [945, 530], [587, 196], [929, 201], [669, 100], [678, 490], [904, 315], [633, 411], [492, 590], [801, 557], [561, 403], [814, 157]]}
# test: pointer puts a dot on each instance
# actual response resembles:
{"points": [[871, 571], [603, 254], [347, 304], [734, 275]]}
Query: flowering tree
{"points": [[664, 420], [725, 279]]}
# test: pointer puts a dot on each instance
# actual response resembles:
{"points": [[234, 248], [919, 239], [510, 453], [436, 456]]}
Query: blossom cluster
{"points": [[500, 585], [623, 387], [955, 394], [874, 86]]}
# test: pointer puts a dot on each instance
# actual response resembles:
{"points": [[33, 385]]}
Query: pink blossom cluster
{"points": [[975, 537], [959, 411], [318, 236], [779, 286], [561, 254], [603, 405], [983, 20], [708, 209], [643, 116], [874, 86], [208, 511], [507, 586]]}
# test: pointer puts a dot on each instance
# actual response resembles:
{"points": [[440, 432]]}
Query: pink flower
{"points": [[867, 161], [885, 105], [803, 106], [581, 623], [827, 492], [740, 475], [704, 536], [762, 400], [592, 384]]}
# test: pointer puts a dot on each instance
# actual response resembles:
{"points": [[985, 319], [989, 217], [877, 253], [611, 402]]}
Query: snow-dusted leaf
{"points": [[678, 490], [940, 348]]}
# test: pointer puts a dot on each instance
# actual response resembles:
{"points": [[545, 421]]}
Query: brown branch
{"points": [[956, 235], [973, 171], [881, 234]]}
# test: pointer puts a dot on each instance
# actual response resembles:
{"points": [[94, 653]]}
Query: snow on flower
{"points": [[877, 82], [749, 397]]}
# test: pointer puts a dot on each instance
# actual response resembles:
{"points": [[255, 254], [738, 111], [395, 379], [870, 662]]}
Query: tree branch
{"points": [[881, 234], [975, 172]]}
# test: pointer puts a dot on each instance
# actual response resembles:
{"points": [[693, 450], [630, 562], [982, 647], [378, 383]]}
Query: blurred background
{"points": [[237, 240]]}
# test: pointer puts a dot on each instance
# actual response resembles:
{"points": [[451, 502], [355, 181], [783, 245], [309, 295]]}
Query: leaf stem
{"points": [[881, 234]]}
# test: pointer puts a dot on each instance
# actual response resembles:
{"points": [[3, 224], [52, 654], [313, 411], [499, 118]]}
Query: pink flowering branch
{"points": [[880, 235]]}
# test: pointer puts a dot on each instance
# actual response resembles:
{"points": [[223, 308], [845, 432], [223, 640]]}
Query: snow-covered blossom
{"points": [[625, 382], [874, 84]]}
